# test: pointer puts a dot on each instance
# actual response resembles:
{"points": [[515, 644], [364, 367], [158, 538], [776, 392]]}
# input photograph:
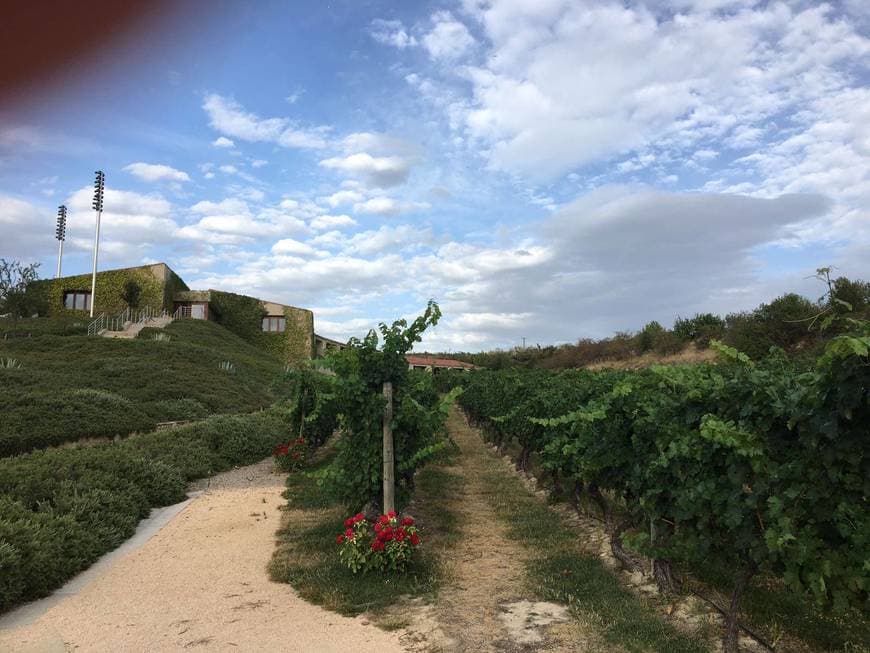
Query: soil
{"points": [[201, 584]]}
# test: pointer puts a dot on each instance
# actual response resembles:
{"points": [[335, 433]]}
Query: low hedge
{"points": [[33, 421], [62, 509]]}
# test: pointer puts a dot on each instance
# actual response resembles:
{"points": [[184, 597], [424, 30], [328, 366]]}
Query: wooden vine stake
{"points": [[389, 467]]}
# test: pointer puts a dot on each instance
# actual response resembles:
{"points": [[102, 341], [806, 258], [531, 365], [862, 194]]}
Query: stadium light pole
{"points": [[99, 188], [60, 234]]}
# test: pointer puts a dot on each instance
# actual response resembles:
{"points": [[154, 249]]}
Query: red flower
{"points": [[295, 455], [300, 440], [339, 539], [415, 539], [378, 527], [384, 519], [377, 545], [359, 517], [349, 533], [391, 514], [400, 534], [386, 534], [408, 521], [348, 522]]}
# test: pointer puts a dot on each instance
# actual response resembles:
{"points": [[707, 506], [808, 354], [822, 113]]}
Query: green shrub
{"points": [[649, 336], [41, 420], [61, 509], [145, 382], [171, 410]]}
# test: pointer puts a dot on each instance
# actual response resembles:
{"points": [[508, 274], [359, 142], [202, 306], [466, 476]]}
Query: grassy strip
{"points": [[768, 607], [307, 558], [62, 509], [561, 572]]}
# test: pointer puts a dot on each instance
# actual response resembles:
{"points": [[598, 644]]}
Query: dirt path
{"points": [[200, 584], [485, 606]]}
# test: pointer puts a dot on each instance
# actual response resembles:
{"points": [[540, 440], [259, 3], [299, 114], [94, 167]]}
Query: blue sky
{"points": [[543, 168]]}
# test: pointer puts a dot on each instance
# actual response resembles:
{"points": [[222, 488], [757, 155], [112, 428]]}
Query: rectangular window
{"points": [[273, 323], [77, 300]]}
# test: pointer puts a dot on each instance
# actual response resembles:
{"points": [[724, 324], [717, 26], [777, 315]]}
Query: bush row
{"points": [[75, 387], [62, 509], [759, 465]]}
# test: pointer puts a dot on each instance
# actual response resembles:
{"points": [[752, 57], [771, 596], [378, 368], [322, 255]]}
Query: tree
{"points": [[16, 296], [132, 293], [356, 474]]}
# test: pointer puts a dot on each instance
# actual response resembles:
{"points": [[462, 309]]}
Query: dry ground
{"points": [[200, 584], [485, 604]]}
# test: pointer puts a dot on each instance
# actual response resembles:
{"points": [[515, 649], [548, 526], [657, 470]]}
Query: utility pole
{"points": [[524, 342], [99, 188], [60, 234]]}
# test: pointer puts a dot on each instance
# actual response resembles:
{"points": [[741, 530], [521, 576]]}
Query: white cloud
{"points": [[343, 197], [391, 32], [379, 171], [259, 163], [156, 172], [229, 117], [388, 206], [228, 169], [291, 247], [567, 84], [223, 141], [323, 222], [27, 229], [386, 238], [449, 39]]}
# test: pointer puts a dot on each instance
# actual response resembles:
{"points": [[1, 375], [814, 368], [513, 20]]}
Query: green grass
{"points": [[560, 572], [139, 382], [307, 557]]}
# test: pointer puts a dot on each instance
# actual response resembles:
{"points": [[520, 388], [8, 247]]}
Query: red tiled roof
{"points": [[437, 362]]}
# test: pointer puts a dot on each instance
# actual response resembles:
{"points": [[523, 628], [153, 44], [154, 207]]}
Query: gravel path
{"points": [[200, 584]]}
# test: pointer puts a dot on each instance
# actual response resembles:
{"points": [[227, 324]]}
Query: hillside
{"points": [[70, 387]]}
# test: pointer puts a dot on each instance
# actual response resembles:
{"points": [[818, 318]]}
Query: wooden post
{"points": [[389, 468]]}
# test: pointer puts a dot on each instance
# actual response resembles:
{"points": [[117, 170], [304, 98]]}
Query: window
{"points": [[77, 300], [273, 323]]}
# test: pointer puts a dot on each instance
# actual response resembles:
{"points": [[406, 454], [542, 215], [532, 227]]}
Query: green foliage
{"points": [[356, 473], [16, 283], [760, 465], [310, 396], [131, 294], [61, 325], [61, 509], [34, 421], [239, 314], [244, 316], [74, 387], [700, 329], [649, 336], [110, 291]]}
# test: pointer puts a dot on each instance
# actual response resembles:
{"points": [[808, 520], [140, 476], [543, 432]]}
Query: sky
{"points": [[544, 169]]}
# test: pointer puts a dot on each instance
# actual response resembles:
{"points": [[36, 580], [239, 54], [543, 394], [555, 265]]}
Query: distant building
{"points": [[286, 331], [432, 363]]}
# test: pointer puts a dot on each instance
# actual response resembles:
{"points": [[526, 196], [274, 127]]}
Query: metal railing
{"points": [[182, 312], [124, 319], [98, 325]]}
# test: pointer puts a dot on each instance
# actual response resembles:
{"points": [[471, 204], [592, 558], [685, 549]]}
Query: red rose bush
{"points": [[291, 456], [385, 545]]}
